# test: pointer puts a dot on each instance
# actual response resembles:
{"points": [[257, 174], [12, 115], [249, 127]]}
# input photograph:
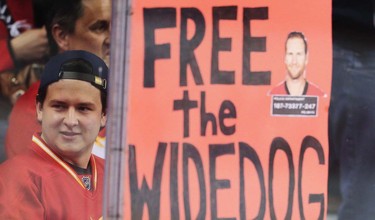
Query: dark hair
{"points": [[76, 65], [64, 13], [296, 34]]}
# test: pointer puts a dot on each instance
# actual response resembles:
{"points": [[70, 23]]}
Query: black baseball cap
{"points": [[75, 64]]}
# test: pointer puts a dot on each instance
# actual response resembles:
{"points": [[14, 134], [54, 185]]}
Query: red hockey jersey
{"points": [[40, 185], [310, 89]]}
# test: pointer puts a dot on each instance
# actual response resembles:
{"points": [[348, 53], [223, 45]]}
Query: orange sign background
{"points": [[231, 189]]}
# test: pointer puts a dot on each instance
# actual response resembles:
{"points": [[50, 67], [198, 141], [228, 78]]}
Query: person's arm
{"points": [[6, 61], [30, 46]]}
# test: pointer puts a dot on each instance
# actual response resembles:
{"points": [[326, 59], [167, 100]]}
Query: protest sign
{"points": [[205, 136]]}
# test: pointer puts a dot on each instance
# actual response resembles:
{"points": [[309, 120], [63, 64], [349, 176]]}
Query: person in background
{"points": [[58, 177], [23, 49], [71, 25], [21, 43]]}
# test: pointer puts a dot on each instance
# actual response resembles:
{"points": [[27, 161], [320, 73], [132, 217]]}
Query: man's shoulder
{"points": [[31, 92], [99, 161], [314, 89], [26, 165], [279, 89], [26, 103], [22, 123]]}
